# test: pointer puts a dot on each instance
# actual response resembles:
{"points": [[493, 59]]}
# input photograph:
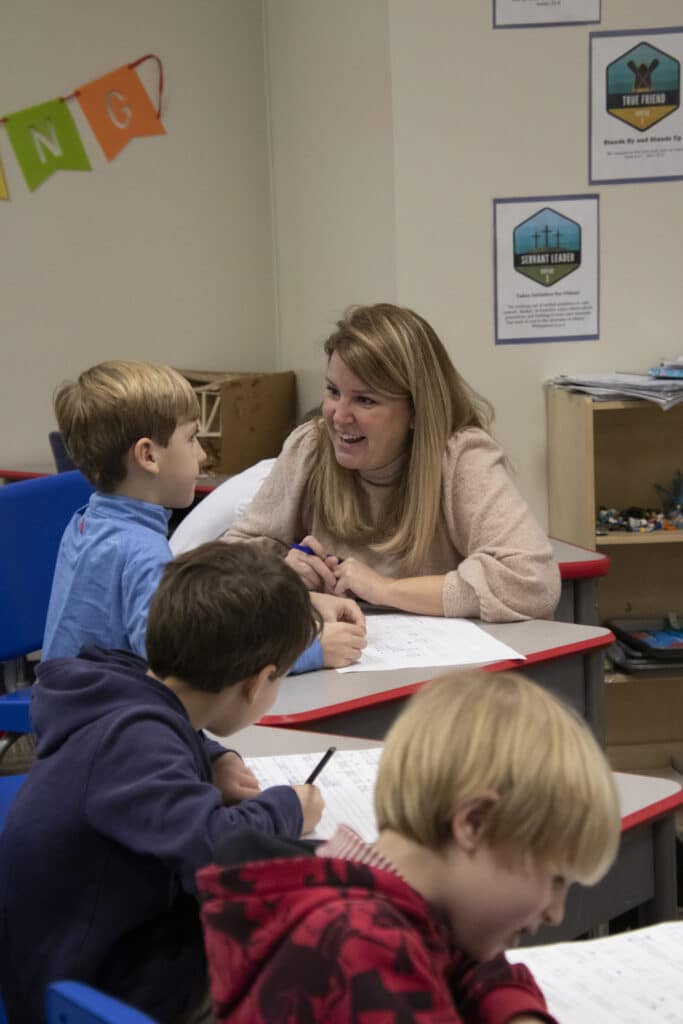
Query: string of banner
{"points": [[117, 106]]}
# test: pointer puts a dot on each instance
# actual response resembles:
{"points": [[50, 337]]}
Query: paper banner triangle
{"points": [[118, 109], [45, 139], [4, 191]]}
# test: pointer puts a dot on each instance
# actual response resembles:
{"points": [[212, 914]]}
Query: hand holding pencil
{"points": [[310, 796]]}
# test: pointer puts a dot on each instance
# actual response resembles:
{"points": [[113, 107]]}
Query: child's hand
{"points": [[311, 805], [233, 778], [342, 643], [338, 609]]}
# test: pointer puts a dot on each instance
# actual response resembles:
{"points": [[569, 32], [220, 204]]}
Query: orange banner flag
{"points": [[118, 109]]}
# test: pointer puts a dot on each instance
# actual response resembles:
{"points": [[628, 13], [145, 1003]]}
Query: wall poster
{"points": [[636, 122], [546, 278], [544, 13]]}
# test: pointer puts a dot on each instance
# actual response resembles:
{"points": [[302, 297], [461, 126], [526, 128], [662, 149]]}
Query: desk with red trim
{"points": [[564, 657], [643, 877], [580, 570], [205, 482]]}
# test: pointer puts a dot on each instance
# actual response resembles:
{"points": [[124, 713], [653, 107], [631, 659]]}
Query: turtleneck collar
{"points": [[385, 476]]}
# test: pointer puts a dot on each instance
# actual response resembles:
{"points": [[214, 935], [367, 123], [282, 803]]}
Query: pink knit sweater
{"points": [[497, 562]]}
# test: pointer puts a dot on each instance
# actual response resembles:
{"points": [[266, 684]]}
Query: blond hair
{"points": [[396, 354], [473, 733], [111, 406]]}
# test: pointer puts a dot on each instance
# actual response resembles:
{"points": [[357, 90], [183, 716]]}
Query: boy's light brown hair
{"points": [[111, 406], [473, 733], [222, 612]]}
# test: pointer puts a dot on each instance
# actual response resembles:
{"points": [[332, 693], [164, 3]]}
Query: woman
{"points": [[397, 490]]}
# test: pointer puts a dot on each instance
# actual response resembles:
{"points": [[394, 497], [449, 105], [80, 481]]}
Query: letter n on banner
{"points": [[118, 109], [45, 139]]}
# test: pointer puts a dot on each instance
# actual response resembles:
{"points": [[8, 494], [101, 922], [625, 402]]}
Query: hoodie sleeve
{"points": [[145, 791]]}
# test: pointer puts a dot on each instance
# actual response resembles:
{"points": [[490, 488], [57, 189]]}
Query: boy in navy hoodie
{"points": [[100, 849]]}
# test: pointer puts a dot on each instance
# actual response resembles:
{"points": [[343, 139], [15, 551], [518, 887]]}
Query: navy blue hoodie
{"points": [[99, 852]]}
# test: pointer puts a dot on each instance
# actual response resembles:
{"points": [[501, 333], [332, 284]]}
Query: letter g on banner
{"points": [[118, 109]]}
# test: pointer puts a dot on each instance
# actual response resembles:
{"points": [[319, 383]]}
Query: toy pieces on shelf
{"points": [[637, 520], [658, 639]]}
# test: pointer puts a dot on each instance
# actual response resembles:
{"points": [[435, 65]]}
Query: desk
{"points": [[643, 876], [564, 657], [580, 570], [262, 741]]}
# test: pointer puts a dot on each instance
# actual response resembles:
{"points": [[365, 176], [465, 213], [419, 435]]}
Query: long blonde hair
{"points": [[396, 353]]}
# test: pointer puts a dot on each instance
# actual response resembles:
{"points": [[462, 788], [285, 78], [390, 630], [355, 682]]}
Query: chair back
{"points": [[71, 1002], [63, 461], [33, 515]]}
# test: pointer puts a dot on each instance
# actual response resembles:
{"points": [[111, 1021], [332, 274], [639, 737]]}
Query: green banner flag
{"points": [[45, 139]]}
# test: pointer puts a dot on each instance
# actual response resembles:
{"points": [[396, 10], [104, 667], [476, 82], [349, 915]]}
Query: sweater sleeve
{"points": [[508, 571], [496, 991], [145, 791], [276, 515]]}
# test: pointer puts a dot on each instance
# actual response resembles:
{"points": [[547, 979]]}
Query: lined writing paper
{"points": [[346, 782]]}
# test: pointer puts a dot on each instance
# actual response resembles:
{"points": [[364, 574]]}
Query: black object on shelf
{"points": [[657, 639]]}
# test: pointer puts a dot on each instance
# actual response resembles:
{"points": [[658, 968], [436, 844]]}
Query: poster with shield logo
{"points": [[636, 122], [546, 269]]}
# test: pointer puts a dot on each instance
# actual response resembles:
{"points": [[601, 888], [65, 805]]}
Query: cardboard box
{"points": [[244, 417]]}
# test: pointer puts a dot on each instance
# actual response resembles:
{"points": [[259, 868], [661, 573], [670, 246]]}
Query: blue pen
{"points": [[303, 547], [309, 551]]}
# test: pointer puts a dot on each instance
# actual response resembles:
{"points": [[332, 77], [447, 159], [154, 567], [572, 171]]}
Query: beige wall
{"points": [[166, 252], [380, 130], [331, 128], [472, 114]]}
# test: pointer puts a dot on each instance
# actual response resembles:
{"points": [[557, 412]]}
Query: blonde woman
{"points": [[397, 494]]}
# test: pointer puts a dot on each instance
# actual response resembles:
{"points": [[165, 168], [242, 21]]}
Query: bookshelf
{"points": [[612, 453]]}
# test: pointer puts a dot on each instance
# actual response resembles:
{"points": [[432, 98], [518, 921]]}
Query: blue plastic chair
{"points": [[63, 461], [71, 1002], [33, 515]]}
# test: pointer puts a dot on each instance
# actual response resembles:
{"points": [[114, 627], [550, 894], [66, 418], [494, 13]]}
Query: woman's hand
{"points": [[316, 570], [357, 578]]}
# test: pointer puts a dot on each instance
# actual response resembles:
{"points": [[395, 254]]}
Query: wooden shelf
{"points": [[655, 537], [624, 403]]}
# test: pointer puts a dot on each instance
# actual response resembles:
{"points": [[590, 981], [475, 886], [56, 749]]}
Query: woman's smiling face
{"points": [[368, 431]]}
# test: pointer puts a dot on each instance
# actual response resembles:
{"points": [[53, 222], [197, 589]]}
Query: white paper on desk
{"points": [[416, 641], [630, 978], [347, 783]]}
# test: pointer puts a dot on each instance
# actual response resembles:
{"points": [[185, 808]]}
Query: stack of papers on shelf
{"points": [[608, 386], [669, 370]]}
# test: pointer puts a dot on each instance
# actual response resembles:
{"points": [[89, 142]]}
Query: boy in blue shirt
{"points": [[131, 428], [100, 848]]}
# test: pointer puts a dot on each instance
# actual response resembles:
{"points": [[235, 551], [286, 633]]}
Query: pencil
{"points": [[320, 765]]}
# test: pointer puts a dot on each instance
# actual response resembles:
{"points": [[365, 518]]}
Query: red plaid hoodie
{"points": [[293, 938]]}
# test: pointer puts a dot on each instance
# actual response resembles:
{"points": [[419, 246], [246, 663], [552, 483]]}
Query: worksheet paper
{"points": [[417, 641], [630, 978], [347, 783]]}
